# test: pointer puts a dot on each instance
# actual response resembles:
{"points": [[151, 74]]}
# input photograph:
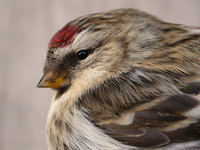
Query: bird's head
{"points": [[83, 52], [91, 49]]}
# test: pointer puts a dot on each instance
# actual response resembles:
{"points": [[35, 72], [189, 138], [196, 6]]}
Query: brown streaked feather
{"points": [[145, 137], [124, 93], [192, 88], [149, 118], [150, 126], [184, 40], [189, 133], [176, 104], [166, 113]]}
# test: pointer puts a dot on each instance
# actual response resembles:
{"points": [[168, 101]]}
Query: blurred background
{"points": [[25, 30]]}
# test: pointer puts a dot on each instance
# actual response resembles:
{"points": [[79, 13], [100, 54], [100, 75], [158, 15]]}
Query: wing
{"points": [[175, 120]]}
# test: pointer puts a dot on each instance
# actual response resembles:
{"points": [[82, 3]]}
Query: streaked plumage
{"points": [[137, 88]]}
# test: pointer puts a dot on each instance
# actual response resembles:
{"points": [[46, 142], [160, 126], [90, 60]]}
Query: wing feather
{"points": [[161, 124]]}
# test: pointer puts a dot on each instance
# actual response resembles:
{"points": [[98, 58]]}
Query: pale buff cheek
{"points": [[84, 81]]}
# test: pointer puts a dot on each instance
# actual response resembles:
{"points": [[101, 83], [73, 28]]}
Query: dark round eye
{"points": [[82, 54]]}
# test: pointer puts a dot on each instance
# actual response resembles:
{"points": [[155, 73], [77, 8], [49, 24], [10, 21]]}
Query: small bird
{"points": [[123, 80]]}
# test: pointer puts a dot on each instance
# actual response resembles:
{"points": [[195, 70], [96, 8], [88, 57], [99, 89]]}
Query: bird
{"points": [[123, 80]]}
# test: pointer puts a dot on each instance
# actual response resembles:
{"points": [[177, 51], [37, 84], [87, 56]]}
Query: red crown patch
{"points": [[64, 37]]}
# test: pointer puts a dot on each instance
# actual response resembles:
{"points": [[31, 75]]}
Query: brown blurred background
{"points": [[25, 29]]}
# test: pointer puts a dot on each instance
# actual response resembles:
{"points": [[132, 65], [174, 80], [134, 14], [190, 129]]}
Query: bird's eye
{"points": [[82, 54]]}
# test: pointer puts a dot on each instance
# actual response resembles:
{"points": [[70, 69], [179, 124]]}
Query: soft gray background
{"points": [[25, 29]]}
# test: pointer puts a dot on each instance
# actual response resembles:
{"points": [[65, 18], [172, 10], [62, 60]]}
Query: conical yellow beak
{"points": [[51, 80]]}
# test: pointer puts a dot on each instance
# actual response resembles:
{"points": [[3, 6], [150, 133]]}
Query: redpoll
{"points": [[123, 79]]}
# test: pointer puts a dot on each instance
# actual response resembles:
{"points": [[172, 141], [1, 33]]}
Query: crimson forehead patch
{"points": [[64, 36]]}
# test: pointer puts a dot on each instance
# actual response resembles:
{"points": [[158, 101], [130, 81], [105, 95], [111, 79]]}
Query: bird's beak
{"points": [[51, 80]]}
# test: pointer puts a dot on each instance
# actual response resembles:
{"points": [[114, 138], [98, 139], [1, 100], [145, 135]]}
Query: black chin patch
{"points": [[61, 91]]}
